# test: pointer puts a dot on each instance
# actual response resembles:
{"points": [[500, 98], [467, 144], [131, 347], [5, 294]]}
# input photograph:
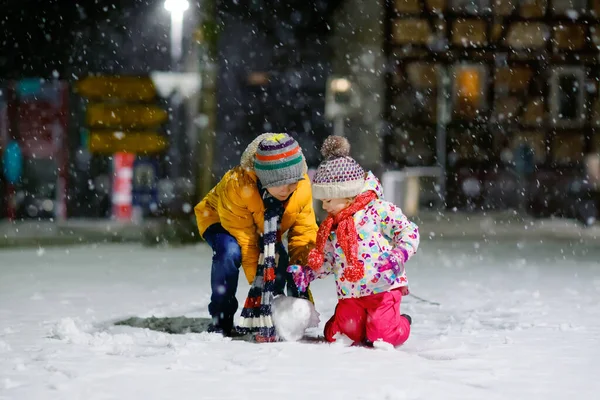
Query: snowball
{"points": [[292, 316]]}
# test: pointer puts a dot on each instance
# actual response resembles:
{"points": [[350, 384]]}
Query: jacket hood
{"points": [[372, 183]]}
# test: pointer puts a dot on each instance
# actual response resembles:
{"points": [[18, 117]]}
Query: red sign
{"points": [[41, 120], [122, 186]]}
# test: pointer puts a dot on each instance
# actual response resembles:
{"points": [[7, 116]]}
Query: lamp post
{"points": [[177, 9], [443, 117]]}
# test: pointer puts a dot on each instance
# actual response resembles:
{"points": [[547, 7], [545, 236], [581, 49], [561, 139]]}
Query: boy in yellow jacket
{"points": [[271, 176]]}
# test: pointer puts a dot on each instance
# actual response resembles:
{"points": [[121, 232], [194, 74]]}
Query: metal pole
{"points": [[12, 125], [11, 196], [338, 126], [443, 117], [175, 100], [176, 39]]}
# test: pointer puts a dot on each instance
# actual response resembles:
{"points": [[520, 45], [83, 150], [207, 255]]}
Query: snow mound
{"points": [[380, 344], [10, 384], [342, 340], [67, 329], [292, 316], [71, 331], [4, 347]]}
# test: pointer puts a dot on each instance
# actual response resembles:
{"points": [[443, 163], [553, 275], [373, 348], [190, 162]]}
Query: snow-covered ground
{"points": [[516, 321]]}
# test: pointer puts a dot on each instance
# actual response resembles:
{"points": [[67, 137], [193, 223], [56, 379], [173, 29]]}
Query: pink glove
{"points": [[303, 276], [392, 261]]}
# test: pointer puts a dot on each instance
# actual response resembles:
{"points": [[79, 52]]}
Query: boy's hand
{"points": [[302, 276], [393, 261]]}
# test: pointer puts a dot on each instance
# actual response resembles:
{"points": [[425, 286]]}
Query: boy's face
{"points": [[334, 206], [282, 192]]}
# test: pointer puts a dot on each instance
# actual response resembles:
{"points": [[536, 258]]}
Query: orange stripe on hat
{"points": [[273, 157]]}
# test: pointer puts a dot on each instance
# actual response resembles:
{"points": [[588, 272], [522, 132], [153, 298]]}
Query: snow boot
{"points": [[215, 328], [224, 327], [226, 332]]}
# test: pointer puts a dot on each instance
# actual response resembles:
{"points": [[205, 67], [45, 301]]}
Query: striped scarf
{"points": [[256, 315]]}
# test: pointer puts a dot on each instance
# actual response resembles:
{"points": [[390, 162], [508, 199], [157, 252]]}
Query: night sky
{"points": [[37, 37]]}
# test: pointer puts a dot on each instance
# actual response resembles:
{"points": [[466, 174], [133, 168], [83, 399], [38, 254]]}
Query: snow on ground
{"points": [[516, 321]]}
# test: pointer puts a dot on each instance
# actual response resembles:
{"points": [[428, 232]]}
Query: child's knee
{"points": [[331, 330], [227, 248], [394, 332], [353, 328]]}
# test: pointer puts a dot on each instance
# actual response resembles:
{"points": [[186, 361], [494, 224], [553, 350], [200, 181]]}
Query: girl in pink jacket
{"points": [[364, 242]]}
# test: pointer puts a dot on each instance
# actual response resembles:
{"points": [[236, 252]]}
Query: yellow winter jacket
{"points": [[236, 204]]}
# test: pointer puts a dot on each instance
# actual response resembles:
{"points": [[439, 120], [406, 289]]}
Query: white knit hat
{"points": [[339, 175]]}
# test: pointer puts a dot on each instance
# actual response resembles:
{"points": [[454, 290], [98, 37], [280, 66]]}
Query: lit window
{"points": [[469, 90]]}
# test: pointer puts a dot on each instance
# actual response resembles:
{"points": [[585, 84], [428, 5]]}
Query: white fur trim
{"points": [[247, 160]]}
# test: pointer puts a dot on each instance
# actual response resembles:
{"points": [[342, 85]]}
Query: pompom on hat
{"points": [[339, 175]]}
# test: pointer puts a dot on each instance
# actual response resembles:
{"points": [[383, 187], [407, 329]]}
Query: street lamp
{"points": [[341, 101], [177, 8]]}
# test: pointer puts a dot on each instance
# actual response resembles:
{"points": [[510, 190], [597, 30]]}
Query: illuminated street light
{"points": [[176, 5], [340, 85]]}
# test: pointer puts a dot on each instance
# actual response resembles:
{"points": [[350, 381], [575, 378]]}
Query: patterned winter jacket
{"points": [[382, 229]]}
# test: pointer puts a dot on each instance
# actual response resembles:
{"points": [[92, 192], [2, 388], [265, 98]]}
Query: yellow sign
{"points": [[110, 142], [125, 116], [136, 88]]}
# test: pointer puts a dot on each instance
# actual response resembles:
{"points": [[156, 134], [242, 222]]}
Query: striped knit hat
{"points": [[279, 160], [339, 176]]}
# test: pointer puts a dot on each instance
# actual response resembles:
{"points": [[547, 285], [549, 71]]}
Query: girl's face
{"points": [[334, 206], [282, 192]]}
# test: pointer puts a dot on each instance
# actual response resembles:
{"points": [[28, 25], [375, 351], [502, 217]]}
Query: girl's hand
{"points": [[392, 261], [302, 276]]}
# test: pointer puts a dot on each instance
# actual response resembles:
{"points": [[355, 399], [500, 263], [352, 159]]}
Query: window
{"points": [[469, 90], [568, 90], [567, 96], [572, 8]]}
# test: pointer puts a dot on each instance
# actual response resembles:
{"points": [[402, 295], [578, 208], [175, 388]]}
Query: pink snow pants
{"points": [[371, 317]]}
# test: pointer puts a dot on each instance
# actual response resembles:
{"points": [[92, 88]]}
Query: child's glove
{"points": [[302, 276], [393, 261]]}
